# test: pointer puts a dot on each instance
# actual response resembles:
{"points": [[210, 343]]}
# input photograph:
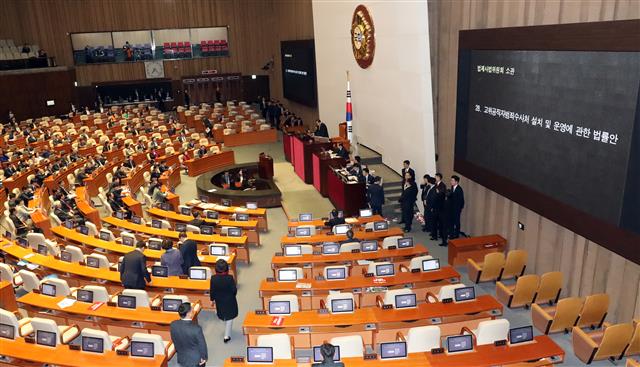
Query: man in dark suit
{"points": [[408, 200], [133, 271], [406, 168], [425, 187], [197, 221], [438, 206], [342, 152], [328, 351], [189, 251], [334, 220], [375, 195], [321, 129], [129, 163], [457, 203], [365, 177], [188, 339], [430, 208]]}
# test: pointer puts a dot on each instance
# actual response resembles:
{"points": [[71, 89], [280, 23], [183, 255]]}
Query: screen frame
{"points": [[85, 290], [415, 303], [94, 338], [135, 302], [614, 36], [458, 290], [252, 361], [460, 336], [131, 349], [529, 327], [280, 313], [406, 351], [287, 270], [55, 342]]}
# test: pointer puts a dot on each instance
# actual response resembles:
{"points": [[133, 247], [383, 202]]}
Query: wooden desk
{"points": [[40, 204], [313, 265], [360, 235], [135, 179], [198, 166], [413, 360], [78, 275], [7, 297], [253, 137], [461, 249], [82, 202], [114, 249], [302, 153], [490, 355], [239, 243], [345, 196], [251, 226], [374, 324], [61, 355], [260, 213], [53, 182], [319, 222], [134, 205], [322, 164], [363, 288], [99, 177], [171, 177]]}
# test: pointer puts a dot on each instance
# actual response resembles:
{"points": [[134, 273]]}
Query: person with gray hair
{"points": [[188, 339]]}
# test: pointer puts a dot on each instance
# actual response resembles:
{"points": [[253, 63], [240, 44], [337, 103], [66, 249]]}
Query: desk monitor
{"points": [[430, 264], [206, 229], [48, 289], [84, 295], [22, 242], [156, 223], [292, 250], [65, 256], [365, 213], [384, 270], [338, 273], [119, 215], [252, 205], [154, 244], [7, 331], [225, 202], [521, 334], [303, 232], [166, 206], [465, 294], [331, 248], [68, 224], [93, 262], [141, 349], [42, 249], [242, 217], [181, 227], [382, 225], [197, 274], [136, 219], [340, 213], [305, 217], [212, 214], [459, 343], [203, 198], [127, 240], [234, 232], [217, 250], [185, 211], [393, 350], [105, 236], [171, 304], [259, 355], [279, 308], [94, 345], [160, 271], [341, 305], [369, 246], [317, 356], [405, 301], [83, 229], [341, 229], [46, 338], [287, 275], [126, 301], [405, 242]]}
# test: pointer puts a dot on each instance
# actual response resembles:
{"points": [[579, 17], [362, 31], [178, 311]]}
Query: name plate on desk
{"points": [[306, 293], [355, 251], [368, 357], [500, 343], [387, 307], [122, 352], [437, 350], [304, 330], [237, 359], [271, 280], [415, 270], [74, 347], [436, 320], [447, 300], [279, 254], [323, 311], [260, 312]]}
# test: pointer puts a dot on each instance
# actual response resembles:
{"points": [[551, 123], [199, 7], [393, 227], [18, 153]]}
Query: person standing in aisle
{"points": [[223, 294], [408, 200]]}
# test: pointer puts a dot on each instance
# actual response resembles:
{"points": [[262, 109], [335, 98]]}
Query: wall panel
{"points": [[588, 268]]}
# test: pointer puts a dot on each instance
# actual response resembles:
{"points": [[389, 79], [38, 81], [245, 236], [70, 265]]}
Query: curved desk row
{"points": [[357, 234], [198, 166], [259, 214], [319, 223]]}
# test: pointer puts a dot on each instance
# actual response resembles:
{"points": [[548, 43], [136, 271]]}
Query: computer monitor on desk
{"points": [[459, 343], [366, 213], [93, 262], [330, 248], [393, 350], [127, 240], [42, 250], [382, 225], [341, 229], [305, 217], [197, 274], [279, 308], [242, 217], [48, 289], [136, 219], [369, 246], [405, 242], [206, 229], [83, 295], [342, 305], [155, 223], [217, 250], [126, 301], [46, 338], [521, 335], [287, 275], [430, 264], [259, 355], [317, 355], [212, 214], [292, 250], [119, 215], [171, 304], [154, 244], [303, 232], [405, 301], [83, 229], [225, 202], [336, 273], [234, 232], [7, 331], [160, 271], [384, 270], [65, 256], [141, 349], [93, 345], [181, 227], [105, 236], [185, 211]]}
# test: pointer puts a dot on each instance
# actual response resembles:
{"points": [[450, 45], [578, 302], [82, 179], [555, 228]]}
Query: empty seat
{"points": [[141, 296], [549, 288], [282, 345], [294, 306], [489, 331], [608, 343], [351, 346], [21, 327], [349, 247], [594, 310], [390, 241], [422, 339], [448, 291], [390, 296], [108, 341], [100, 293], [62, 287], [488, 270], [103, 261], [160, 346], [93, 229], [63, 334], [515, 264], [29, 279], [192, 228], [416, 262], [7, 274], [560, 317], [335, 296], [520, 294], [634, 343]]}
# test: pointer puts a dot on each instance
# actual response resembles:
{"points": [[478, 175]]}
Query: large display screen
{"points": [[561, 125], [299, 72]]}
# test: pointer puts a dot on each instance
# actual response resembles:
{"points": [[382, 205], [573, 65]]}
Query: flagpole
{"points": [[349, 117]]}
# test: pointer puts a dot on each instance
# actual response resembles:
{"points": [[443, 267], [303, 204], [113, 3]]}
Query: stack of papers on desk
{"points": [[364, 262], [220, 207], [351, 220], [303, 285], [67, 302], [241, 209], [208, 206]]}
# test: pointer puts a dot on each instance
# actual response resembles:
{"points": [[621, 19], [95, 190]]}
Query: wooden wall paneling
{"points": [[547, 251], [613, 280], [490, 220], [574, 275], [567, 257]]}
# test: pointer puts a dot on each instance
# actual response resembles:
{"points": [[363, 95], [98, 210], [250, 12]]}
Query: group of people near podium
{"points": [[442, 206]]}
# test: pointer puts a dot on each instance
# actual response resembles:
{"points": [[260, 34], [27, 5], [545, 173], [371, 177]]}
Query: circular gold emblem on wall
{"points": [[363, 40]]}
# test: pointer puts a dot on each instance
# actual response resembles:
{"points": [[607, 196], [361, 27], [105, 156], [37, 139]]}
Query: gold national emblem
{"points": [[362, 37]]}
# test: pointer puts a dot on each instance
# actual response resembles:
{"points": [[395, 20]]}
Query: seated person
{"points": [[21, 227], [202, 151], [349, 237], [327, 351], [197, 221], [342, 152], [334, 220]]}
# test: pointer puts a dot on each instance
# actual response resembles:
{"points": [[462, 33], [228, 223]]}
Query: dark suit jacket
{"points": [[189, 342], [328, 364], [431, 199], [197, 222], [322, 130], [223, 293], [409, 196], [134, 270], [189, 251], [457, 199], [411, 172], [368, 181], [375, 193]]}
